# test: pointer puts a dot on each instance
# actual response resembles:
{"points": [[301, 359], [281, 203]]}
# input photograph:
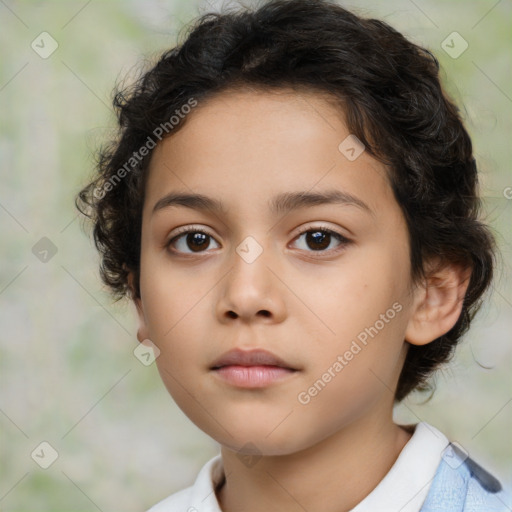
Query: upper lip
{"points": [[255, 357]]}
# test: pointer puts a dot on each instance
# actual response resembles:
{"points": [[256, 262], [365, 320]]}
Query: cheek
{"points": [[169, 298], [365, 309], [175, 316], [357, 295]]}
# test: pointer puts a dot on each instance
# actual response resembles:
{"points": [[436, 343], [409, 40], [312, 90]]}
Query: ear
{"points": [[437, 303], [142, 329]]}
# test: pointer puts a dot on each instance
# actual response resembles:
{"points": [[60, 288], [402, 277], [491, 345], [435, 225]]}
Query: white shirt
{"points": [[404, 488]]}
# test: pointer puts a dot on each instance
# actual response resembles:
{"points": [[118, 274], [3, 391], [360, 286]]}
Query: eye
{"points": [[197, 239], [319, 238]]}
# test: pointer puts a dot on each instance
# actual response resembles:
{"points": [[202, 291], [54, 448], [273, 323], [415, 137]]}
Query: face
{"points": [[323, 284]]}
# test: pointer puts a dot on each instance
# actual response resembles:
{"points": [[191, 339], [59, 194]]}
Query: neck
{"points": [[343, 468]]}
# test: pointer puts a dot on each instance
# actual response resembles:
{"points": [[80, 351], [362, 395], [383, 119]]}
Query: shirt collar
{"points": [[406, 485], [404, 488]]}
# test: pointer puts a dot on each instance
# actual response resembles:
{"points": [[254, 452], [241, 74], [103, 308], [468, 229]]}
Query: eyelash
{"points": [[343, 241]]}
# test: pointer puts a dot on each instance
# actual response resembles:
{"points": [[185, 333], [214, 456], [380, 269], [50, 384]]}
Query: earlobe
{"points": [[142, 329], [438, 304]]}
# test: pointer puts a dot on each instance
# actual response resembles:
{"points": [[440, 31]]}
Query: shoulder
{"points": [[175, 502], [198, 497], [461, 484]]}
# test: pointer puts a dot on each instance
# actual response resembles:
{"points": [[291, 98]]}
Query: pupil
{"points": [[318, 237], [196, 241]]}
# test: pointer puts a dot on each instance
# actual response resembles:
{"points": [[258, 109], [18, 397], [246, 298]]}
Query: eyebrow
{"points": [[280, 204]]}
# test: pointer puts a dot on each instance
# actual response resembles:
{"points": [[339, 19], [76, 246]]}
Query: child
{"points": [[292, 207]]}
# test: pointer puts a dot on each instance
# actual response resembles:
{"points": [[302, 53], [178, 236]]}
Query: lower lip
{"points": [[253, 376]]}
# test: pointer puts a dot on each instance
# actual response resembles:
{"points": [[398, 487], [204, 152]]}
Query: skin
{"points": [[302, 304]]}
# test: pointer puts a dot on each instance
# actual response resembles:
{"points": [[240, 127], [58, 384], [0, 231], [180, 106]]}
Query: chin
{"points": [[254, 439], [258, 447]]}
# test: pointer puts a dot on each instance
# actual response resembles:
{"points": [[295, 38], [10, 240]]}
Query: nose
{"points": [[252, 290]]}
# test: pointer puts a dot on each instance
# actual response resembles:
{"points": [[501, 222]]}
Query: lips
{"points": [[253, 369], [256, 357]]}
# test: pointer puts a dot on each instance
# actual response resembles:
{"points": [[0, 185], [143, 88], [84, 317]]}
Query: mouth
{"points": [[252, 369]]}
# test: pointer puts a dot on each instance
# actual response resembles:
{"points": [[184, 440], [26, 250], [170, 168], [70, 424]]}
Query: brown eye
{"points": [[319, 239], [196, 240]]}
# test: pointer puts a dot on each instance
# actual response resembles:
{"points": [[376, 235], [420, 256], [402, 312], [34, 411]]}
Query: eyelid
{"points": [[190, 227], [320, 227]]}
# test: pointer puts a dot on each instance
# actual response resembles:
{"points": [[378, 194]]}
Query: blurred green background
{"points": [[68, 373]]}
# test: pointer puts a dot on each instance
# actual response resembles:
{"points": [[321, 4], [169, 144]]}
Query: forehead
{"points": [[234, 118], [246, 146]]}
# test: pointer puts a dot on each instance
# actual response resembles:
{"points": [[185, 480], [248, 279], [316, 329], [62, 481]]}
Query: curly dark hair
{"points": [[390, 92]]}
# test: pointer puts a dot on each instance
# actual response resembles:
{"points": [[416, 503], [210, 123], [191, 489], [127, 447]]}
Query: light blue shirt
{"points": [[461, 485]]}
